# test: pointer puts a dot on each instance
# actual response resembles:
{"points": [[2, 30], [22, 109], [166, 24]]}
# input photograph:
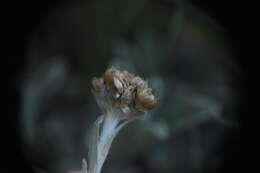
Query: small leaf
{"points": [[93, 150]]}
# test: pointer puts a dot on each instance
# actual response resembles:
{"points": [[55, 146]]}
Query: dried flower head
{"points": [[123, 93]]}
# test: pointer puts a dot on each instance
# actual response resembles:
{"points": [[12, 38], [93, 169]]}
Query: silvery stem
{"points": [[104, 131]]}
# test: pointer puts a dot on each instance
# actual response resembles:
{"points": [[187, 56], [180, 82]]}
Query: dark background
{"points": [[22, 17]]}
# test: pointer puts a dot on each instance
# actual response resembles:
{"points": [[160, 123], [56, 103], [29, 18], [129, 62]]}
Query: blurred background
{"points": [[186, 56]]}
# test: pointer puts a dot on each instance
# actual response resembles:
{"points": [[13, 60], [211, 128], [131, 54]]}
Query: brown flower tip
{"points": [[97, 83], [123, 92]]}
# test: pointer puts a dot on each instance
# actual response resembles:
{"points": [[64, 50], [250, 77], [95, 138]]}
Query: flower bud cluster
{"points": [[123, 93]]}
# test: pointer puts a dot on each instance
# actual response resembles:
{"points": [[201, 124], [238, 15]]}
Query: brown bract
{"points": [[124, 92]]}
